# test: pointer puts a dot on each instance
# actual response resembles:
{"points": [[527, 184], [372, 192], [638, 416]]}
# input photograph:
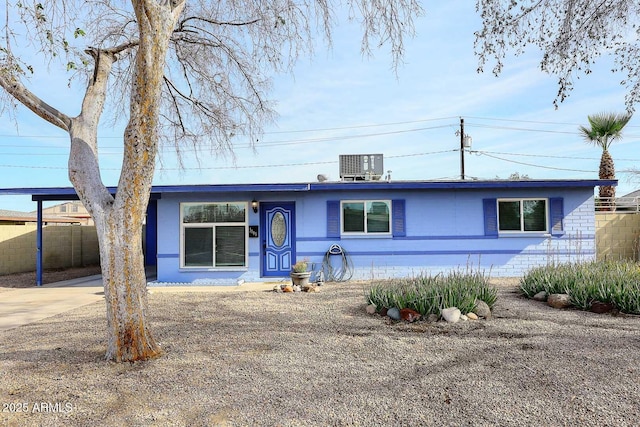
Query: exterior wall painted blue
{"points": [[444, 230]]}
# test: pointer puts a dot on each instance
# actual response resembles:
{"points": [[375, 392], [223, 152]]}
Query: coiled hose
{"points": [[340, 273]]}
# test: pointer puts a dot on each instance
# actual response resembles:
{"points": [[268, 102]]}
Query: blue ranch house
{"points": [[375, 229], [229, 234]]}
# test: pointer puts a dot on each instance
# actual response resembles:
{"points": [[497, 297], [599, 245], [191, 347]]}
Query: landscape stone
{"points": [[409, 315], [393, 313], [383, 311], [559, 300], [287, 288], [464, 317], [472, 316], [451, 314], [432, 318], [601, 307], [482, 309], [371, 309], [540, 296]]}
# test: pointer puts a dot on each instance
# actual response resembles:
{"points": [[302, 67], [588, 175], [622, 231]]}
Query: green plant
{"points": [[615, 282], [429, 294], [300, 266]]}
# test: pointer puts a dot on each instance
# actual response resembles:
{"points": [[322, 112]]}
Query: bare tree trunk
{"points": [[124, 280]]}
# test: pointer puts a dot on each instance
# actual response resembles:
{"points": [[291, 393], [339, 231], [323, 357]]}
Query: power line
{"points": [[550, 156], [533, 165]]}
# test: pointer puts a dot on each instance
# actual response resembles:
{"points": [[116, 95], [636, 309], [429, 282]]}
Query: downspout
{"points": [[39, 245]]}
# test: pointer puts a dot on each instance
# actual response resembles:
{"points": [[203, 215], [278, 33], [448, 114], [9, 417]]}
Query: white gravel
{"points": [[264, 359]]}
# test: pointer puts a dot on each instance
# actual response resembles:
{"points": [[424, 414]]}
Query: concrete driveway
{"points": [[21, 306]]}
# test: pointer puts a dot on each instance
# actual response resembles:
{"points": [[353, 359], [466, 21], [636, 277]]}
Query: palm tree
{"points": [[605, 129]]}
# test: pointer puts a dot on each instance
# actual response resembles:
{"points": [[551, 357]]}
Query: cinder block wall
{"points": [[617, 235], [17, 248], [64, 246]]}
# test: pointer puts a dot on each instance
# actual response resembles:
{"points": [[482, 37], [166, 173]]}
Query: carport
{"points": [[40, 195]]}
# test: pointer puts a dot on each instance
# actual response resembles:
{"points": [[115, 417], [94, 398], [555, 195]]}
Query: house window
{"points": [[522, 215], [366, 217], [214, 234], [63, 208]]}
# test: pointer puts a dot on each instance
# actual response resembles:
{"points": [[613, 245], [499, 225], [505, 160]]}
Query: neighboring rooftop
{"points": [[9, 216]]}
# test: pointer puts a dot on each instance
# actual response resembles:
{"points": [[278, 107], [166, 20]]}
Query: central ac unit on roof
{"points": [[361, 167]]}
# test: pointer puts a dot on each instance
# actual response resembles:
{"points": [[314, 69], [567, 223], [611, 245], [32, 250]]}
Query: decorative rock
{"points": [[371, 309], [464, 317], [297, 288], [472, 316], [601, 307], [310, 288], [409, 315], [287, 288], [432, 318], [559, 300], [540, 296], [451, 314], [383, 311], [277, 288], [393, 313], [482, 309]]}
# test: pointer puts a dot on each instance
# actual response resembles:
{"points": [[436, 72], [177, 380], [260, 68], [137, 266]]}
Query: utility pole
{"points": [[465, 141], [461, 148]]}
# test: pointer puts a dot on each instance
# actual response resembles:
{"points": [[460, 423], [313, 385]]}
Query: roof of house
{"points": [[633, 194], [69, 193], [9, 215]]}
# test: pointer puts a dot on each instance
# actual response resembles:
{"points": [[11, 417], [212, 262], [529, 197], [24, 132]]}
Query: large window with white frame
{"points": [[365, 217], [213, 235], [522, 215]]}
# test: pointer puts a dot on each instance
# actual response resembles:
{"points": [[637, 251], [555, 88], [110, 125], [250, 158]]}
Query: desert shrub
{"points": [[615, 282], [429, 294]]}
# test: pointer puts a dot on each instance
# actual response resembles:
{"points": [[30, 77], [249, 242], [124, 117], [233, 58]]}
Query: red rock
{"points": [[383, 311], [409, 315], [287, 288], [601, 307]]}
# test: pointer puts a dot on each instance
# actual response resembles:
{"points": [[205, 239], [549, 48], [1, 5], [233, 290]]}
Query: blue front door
{"points": [[277, 220]]}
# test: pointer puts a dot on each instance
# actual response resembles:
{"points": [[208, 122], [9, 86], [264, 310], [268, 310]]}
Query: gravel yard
{"points": [[315, 359]]}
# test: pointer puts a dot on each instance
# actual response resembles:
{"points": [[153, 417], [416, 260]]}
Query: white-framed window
{"points": [[365, 217], [522, 216], [213, 235]]}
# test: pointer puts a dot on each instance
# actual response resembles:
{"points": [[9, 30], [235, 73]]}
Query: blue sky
{"points": [[340, 103]]}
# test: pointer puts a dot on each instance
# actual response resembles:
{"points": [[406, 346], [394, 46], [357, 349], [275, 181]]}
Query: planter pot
{"points": [[300, 279]]}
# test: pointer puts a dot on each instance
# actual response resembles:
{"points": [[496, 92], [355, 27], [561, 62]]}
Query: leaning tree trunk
{"points": [[607, 193]]}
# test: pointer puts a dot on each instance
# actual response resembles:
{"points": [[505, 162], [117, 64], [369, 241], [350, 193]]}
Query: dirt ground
{"points": [[27, 280], [248, 358]]}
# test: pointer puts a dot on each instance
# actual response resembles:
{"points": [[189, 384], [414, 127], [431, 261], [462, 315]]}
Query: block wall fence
{"points": [[64, 247], [618, 235]]}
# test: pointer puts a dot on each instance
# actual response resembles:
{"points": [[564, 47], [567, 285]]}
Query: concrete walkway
{"points": [[21, 306]]}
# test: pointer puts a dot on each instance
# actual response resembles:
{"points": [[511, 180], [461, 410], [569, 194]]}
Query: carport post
{"points": [[39, 245]]}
